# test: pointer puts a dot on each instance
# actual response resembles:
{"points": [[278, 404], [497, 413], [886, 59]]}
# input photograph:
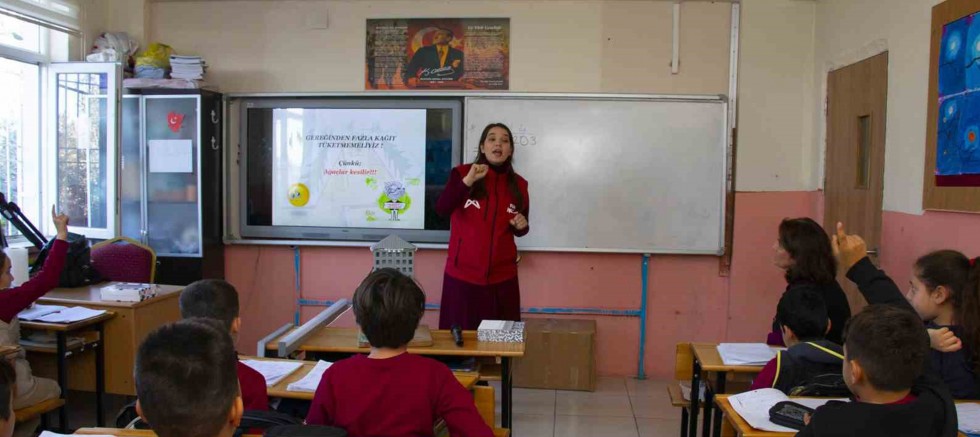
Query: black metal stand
{"points": [[13, 214]]}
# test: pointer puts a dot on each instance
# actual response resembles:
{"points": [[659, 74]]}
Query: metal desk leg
{"points": [[692, 426], [62, 350], [720, 388], [709, 404], [506, 401], [100, 377]]}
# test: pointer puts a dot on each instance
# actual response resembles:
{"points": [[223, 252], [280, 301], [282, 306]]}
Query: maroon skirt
{"points": [[467, 304]]}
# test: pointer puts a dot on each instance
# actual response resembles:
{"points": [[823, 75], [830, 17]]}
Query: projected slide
{"points": [[356, 168]]}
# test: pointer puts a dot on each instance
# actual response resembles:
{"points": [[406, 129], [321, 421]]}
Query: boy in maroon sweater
{"points": [[217, 299], [390, 392]]}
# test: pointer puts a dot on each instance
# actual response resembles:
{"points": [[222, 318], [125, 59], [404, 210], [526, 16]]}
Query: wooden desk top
{"points": [[344, 340], [467, 379], [92, 295], [67, 327], [743, 429], [711, 361]]}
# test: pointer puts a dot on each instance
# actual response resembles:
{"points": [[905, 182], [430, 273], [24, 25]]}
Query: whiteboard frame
{"points": [[725, 151], [232, 231]]}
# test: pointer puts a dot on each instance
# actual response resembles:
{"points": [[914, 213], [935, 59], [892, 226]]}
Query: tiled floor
{"points": [[619, 407]]}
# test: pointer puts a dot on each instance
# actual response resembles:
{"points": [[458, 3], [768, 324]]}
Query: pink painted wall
{"points": [[905, 237], [688, 299]]}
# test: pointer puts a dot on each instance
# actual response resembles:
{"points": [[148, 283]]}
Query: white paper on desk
{"points": [[310, 382], [54, 434], [38, 311], [171, 156], [754, 407], [745, 354], [273, 371], [968, 415], [71, 315]]}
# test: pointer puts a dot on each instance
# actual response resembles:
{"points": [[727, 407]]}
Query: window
{"points": [[19, 130]]}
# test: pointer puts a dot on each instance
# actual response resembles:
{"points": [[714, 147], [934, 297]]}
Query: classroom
{"points": [[679, 154]]}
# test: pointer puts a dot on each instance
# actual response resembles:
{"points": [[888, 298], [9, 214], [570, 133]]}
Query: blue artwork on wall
{"points": [[958, 142]]}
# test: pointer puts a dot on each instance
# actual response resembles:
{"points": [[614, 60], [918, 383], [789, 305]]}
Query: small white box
{"points": [[500, 331], [128, 292]]}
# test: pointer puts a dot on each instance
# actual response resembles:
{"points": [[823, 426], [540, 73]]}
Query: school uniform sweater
{"points": [[954, 368], [838, 310], [255, 394], [400, 396], [930, 414], [482, 250]]}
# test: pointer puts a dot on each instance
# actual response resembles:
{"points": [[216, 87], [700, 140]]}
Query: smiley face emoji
{"points": [[299, 194]]}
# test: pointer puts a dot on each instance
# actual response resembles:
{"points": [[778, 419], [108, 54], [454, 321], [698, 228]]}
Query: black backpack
{"points": [[263, 420], [830, 385], [78, 271]]}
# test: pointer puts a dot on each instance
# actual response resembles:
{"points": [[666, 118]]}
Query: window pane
{"points": [[19, 138], [20, 34], [82, 147]]}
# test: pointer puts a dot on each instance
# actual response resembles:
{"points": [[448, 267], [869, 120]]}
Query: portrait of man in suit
{"points": [[437, 62]]}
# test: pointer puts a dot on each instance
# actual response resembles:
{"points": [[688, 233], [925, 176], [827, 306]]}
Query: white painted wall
{"points": [[850, 30]]}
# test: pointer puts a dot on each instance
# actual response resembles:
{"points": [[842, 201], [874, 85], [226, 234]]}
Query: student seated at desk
{"points": [[30, 390], [811, 366], [185, 380], [8, 382], [885, 350], [944, 292], [803, 251], [391, 392], [217, 299]]}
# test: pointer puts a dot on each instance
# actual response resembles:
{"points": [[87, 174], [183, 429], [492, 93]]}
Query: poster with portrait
{"points": [[438, 53]]}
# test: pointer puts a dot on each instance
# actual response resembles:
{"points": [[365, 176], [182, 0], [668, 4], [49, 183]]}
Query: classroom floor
{"points": [[620, 407]]}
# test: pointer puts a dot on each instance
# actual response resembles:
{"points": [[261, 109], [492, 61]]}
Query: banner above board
{"points": [[443, 53]]}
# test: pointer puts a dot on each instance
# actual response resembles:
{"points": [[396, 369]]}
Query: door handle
{"points": [[873, 252]]}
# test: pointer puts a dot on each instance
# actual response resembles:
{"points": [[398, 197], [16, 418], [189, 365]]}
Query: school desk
{"points": [[332, 340], [707, 360], [62, 351], [735, 425], [123, 334], [467, 379]]}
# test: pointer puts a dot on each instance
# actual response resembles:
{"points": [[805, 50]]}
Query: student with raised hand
{"points": [[803, 252], [30, 389], [811, 366], [944, 292], [885, 351], [186, 384]]}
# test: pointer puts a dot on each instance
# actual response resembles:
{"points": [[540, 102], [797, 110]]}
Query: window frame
{"points": [[41, 60]]}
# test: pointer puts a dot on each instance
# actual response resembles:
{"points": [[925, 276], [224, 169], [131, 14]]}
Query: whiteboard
{"points": [[616, 174]]}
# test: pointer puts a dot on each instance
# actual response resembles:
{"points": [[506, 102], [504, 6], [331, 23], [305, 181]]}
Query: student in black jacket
{"points": [[885, 351], [944, 293]]}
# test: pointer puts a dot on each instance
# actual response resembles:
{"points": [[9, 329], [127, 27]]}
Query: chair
{"points": [[123, 259], [683, 371], [39, 409]]}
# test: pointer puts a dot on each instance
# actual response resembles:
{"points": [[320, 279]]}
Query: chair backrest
{"points": [[683, 362], [124, 260]]}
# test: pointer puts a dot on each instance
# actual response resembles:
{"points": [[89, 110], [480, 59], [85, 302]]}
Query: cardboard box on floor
{"points": [[559, 354]]}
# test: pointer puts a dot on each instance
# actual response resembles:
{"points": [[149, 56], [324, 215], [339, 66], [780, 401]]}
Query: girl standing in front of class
{"points": [[803, 252], [488, 206], [30, 390]]}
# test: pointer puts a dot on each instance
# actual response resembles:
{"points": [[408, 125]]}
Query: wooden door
{"points": [[854, 171]]}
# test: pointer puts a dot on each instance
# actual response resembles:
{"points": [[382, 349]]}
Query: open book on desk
{"points": [[754, 407], [273, 371], [311, 381]]}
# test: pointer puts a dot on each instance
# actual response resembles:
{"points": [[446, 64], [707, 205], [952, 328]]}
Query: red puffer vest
{"points": [[481, 246]]}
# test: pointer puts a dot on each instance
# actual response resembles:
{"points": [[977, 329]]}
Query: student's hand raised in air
{"points": [[944, 340], [519, 222], [849, 249], [60, 224], [477, 172]]}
